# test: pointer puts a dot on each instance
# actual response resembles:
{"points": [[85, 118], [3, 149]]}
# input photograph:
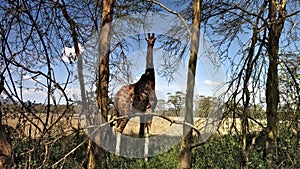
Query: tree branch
{"points": [[173, 12]]}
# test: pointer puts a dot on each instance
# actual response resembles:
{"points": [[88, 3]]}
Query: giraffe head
{"points": [[150, 40]]}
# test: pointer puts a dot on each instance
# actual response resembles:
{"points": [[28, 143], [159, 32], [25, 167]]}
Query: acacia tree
{"points": [[277, 16], [205, 104], [74, 35], [251, 59], [185, 154], [177, 100], [28, 54], [33, 38], [96, 153], [33, 35], [258, 56]]}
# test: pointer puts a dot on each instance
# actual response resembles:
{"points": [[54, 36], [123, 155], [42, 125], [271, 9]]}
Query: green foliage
{"points": [[31, 152], [177, 101], [166, 160], [288, 150], [206, 104], [218, 152]]}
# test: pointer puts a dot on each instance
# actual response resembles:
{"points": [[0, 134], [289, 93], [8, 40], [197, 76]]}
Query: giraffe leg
{"points": [[142, 126], [114, 114], [121, 124], [148, 124], [148, 121]]}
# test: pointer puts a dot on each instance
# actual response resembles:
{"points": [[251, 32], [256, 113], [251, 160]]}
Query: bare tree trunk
{"points": [[104, 52], [74, 36], [245, 120], [277, 14], [84, 108], [251, 59], [5, 146], [5, 150], [185, 154], [103, 78]]}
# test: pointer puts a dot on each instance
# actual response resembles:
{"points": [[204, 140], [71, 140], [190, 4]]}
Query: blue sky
{"points": [[210, 78], [208, 75]]}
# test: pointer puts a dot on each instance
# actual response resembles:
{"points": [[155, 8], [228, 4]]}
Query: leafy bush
{"points": [[218, 152], [31, 152]]}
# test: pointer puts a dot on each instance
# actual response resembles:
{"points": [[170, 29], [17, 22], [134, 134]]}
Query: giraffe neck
{"points": [[149, 58]]}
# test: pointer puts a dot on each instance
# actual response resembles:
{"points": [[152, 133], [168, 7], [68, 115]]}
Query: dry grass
{"points": [[159, 125]]}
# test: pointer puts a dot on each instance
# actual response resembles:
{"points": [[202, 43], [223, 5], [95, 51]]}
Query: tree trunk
{"points": [[74, 36], [5, 145], [277, 14], [5, 150], [96, 153], [104, 51], [185, 154], [251, 59], [85, 107]]}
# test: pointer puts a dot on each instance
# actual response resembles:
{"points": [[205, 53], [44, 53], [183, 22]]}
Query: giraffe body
{"points": [[138, 97]]}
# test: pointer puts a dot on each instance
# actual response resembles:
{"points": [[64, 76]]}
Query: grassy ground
{"points": [[159, 125], [222, 150]]}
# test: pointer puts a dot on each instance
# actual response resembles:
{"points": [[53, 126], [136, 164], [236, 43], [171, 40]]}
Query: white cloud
{"points": [[69, 53], [34, 94], [39, 95], [26, 77], [33, 91], [30, 78], [211, 83]]}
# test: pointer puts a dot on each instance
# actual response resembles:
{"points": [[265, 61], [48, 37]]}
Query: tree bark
{"points": [[96, 153], [5, 145], [74, 36], [103, 74], [84, 108], [276, 16], [251, 60], [185, 154]]}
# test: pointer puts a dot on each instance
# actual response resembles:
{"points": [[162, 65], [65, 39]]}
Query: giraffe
{"points": [[138, 97]]}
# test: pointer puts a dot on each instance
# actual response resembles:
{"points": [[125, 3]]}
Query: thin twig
{"points": [[74, 149], [151, 114], [97, 127]]}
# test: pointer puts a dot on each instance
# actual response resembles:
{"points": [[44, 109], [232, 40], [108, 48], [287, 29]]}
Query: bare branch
{"points": [[152, 114], [173, 12]]}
